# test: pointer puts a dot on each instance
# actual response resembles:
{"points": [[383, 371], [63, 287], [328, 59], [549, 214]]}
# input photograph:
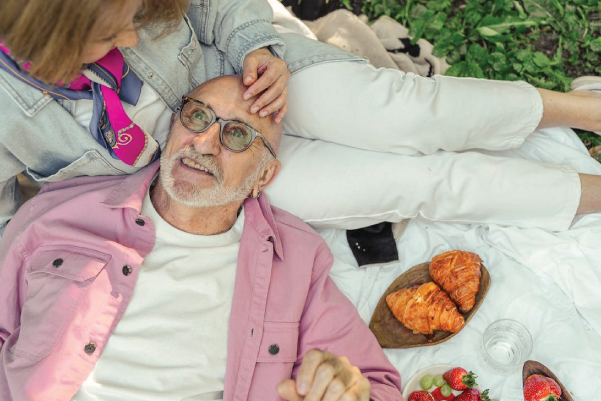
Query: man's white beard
{"points": [[191, 195]]}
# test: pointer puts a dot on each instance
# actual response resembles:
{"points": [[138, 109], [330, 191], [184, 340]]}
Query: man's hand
{"points": [[325, 377], [268, 74]]}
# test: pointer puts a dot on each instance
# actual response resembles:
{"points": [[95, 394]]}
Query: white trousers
{"points": [[365, 145]]}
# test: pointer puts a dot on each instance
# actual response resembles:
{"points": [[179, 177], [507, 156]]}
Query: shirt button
{"points": [[274, 349], [90, 348], [140, 222], [57, 262], [150, 75], [126, 270]]}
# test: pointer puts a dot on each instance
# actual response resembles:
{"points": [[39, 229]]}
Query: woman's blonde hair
{"points": [[52, 34]]}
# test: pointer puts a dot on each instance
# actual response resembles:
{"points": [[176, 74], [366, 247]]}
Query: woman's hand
{"points": [[267, 74], [325, 377]]}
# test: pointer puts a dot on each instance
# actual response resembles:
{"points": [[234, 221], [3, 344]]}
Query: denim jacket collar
{"points": [[28, 98]]}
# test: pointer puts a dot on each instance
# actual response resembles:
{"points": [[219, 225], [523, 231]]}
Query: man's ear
{"points": [[268, 173]]}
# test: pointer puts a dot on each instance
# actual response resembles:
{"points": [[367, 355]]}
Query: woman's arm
{"points": [[242, 30]]}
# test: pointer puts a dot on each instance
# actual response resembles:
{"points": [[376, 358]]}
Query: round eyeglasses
{"points": [[235, 136]]}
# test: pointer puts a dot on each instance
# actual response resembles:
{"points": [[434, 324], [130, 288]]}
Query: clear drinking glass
{"points": [[506, 345]]}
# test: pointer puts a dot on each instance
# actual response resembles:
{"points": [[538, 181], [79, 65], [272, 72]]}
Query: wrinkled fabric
{"points": [[69, 263], [385, 42]]}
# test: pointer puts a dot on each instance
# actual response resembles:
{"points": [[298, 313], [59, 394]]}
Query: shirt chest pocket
{"points": [[58, 279], [279, 342], [91, 163]]}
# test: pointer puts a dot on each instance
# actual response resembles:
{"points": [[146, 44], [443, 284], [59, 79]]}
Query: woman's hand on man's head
{"points": [[267, 75]]}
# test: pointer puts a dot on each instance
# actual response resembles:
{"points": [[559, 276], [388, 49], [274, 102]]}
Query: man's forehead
{"points": [[224, 100], [230, 105], [224, 95]]}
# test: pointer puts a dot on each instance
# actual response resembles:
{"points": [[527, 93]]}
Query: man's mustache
{"points": [[207, 162]]}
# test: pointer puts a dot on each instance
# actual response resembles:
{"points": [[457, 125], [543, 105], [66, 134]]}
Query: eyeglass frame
{"points": [[214, 119]]}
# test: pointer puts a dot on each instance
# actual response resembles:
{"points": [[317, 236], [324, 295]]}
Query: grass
{"points": [[544, 42]]}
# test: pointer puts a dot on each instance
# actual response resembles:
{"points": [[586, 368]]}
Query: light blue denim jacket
{"points": [[39, 135]]}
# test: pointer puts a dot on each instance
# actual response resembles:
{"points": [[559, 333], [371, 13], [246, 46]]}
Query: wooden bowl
{"points": [[390, 333], [537, 368]]}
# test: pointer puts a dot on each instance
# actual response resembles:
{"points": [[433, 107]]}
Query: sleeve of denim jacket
{"points": [[237, 27], [331, 322]]}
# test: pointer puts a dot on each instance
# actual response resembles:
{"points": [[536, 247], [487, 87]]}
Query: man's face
{"points": [[197, 170]]}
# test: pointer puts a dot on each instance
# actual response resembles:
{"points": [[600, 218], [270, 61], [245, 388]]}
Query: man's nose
{"points": [[207, 143]]}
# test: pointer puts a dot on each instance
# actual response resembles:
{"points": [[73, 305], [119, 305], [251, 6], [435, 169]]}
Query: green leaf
{"points": [[543, 9], [595, 44], [465, 69], [541, 60]]}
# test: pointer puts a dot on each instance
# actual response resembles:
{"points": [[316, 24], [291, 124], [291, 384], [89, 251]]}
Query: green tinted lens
{"points": [[236, 136], [196, 117]]}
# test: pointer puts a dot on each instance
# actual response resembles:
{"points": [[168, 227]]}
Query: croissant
{"points": [[458, 273], [425, 309]]}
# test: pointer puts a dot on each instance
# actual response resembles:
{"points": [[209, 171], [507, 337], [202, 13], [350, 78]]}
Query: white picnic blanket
{"points": [[550, 282]]}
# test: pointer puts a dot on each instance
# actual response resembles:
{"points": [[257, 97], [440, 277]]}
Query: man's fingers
{"points": [[311, 361], [325, 375], [358, 392], [287, 390]]}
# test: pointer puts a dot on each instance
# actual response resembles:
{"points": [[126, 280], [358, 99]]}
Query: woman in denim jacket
{"points": [[392, 124]]}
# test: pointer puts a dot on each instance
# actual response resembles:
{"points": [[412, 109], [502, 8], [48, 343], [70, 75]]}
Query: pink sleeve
{"points": [[331, 322], [12, 277]]}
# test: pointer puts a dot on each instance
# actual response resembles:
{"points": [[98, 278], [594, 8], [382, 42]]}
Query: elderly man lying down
{"points": [[181, 284]]}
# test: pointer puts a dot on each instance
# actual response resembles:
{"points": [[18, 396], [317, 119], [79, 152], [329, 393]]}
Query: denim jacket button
{"points": [[274, 349], [126, 270], [140, 222], [150, 74], [90, 348], [57, 262]]}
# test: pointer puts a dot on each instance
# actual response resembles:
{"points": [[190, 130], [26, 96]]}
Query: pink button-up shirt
{"points": [[69, 261]]}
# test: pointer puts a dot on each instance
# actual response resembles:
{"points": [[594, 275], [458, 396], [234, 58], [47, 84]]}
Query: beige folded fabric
{"points": [[386, 43]]}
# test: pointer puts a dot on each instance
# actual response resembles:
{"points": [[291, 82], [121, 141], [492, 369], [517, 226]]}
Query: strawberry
{"points": [[459, 379], [541, 388], [439, 397], [471, 394], [421, 395]]}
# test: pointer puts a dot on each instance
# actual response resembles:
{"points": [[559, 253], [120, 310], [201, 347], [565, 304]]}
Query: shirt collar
{"points": [[131, 191], [258, 212]]}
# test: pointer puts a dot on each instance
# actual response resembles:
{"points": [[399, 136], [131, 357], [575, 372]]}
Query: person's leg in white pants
{"points": [[407, 116], [330, 185]]}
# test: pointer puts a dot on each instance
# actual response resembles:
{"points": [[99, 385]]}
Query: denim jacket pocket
{"points": [[190, 55], [279, 342], [58, 278], [90, 164]]}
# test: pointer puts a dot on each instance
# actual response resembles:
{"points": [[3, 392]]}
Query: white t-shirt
{"points": [[171, 343]]}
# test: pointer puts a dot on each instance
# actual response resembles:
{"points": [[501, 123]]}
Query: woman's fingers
{"points": [[271, 84]]}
